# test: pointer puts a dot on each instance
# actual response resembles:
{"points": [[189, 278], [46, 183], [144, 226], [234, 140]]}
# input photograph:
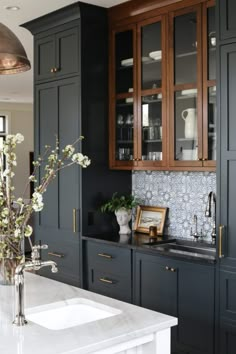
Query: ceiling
{"points": [[19, 87]]}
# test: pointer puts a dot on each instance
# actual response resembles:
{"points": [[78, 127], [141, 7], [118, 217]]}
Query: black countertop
{"points": [[142, 242]]}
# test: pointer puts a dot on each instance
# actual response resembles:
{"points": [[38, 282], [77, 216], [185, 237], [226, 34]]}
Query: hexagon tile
{"points": [[184, 193]]}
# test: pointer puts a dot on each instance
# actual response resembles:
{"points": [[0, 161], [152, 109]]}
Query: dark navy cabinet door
{"points": [[181, 289], [45, 57], [228, 153], [227, 338], [196, 304], [156, 284], [57, 53], [227, 10], [57, 114]]}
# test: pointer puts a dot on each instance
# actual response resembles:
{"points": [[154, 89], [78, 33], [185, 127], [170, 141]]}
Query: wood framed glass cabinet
{"points": [[138, 97], [162, 104], [192, 90]]}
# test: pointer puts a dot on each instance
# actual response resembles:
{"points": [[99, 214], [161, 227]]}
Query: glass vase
{"points": [[9, 259]]}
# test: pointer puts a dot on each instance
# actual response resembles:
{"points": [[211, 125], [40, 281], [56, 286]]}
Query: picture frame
{"points": [[150, 216]]}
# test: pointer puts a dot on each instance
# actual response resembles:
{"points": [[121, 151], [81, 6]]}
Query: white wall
{"points": [[21, 121]]}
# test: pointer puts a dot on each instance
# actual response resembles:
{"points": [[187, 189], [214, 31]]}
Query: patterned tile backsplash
{"points": [[184, 193]]}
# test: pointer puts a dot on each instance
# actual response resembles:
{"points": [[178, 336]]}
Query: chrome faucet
{"points": [[195, 234], [34, 264], [209, 214]]}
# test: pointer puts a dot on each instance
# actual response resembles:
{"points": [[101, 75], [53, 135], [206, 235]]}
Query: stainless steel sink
{"points": [[187, 250]]}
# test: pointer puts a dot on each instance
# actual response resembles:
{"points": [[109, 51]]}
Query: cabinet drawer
{"points": [[108, 284], [116, 259], [66, 255]]}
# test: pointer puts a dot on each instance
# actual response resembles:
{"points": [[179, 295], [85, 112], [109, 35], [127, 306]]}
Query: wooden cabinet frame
{"points": [[152, 12]]}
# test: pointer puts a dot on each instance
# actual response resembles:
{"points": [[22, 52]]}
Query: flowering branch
{"points": [[15, 214]]}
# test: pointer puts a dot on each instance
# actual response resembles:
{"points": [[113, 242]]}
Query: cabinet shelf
{"points": [[152, 141], [124, 141], [186, 139]]}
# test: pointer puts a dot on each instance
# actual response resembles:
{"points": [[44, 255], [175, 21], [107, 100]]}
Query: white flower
{"points": [[38, 206], [32, 178], [77, 158], [8, 173], [17, 232], [19, 138], [69, 150], [37, 196], [86, 162], [5, 212], [28, 231]]}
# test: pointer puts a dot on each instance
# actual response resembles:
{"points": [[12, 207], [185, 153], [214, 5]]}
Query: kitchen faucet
{"points": [[209, 214], [34, 264], [195, 234]]}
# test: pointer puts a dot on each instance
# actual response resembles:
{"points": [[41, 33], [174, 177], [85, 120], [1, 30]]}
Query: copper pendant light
{"points": [[13, 58]]}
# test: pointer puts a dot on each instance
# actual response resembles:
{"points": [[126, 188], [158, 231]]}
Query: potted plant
{"points": [[122, 207]]}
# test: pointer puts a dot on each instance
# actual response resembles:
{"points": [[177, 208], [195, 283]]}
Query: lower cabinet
{"points": [[227, 313], [182, 289], [107, 270]]}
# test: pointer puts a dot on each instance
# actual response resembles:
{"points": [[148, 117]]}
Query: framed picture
{"points": [[150, 216]]}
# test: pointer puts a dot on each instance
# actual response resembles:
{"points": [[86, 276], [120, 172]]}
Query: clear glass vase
{"points": [[11, 256]]}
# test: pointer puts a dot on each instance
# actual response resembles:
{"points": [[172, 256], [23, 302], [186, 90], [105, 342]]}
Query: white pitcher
{"points": [[189, 115]]}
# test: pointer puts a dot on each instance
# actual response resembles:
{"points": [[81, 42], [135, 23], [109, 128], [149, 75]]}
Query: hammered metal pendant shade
{"points": [[13, 58]]}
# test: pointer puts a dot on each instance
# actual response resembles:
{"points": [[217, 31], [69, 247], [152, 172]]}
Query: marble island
{"points": [[129, 330]]}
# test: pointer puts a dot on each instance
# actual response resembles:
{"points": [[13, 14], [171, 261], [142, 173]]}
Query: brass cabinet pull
{"points": [[54, 70], [167, 268], [105, 255], [74, 220], [199, 159], [59, 255], [104, 280], [221, 228], [172, 269]]}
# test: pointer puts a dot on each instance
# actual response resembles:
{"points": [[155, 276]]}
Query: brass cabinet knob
{"points": [[199, 159], [205, 159]]}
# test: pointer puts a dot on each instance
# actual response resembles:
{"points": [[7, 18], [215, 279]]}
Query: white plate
{"points": [[157, 55], [189, 92], [129, 100], [127, 62]]}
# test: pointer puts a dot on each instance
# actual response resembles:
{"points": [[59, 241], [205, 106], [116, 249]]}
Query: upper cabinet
{"points": [[163, 89], [192, 87], [51, 51], [227, 9]]}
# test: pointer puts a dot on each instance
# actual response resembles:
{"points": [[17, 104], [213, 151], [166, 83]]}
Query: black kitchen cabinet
{"points": [[52, 49], [181, 289], [108, 270], [227, 10], [73, 40], [226, 172]]}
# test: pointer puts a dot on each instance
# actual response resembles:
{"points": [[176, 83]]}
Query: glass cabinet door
{"points": [[209, 89], [124, 95], [186, 77], [124, 61], [124, 129], [151, 91]]}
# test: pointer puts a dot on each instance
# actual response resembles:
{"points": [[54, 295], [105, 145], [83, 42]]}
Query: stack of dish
{"points": [[189, 92], [127, 62], [156, 55]]}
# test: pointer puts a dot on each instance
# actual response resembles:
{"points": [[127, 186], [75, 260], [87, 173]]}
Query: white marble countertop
{"points": [[131, 323]]}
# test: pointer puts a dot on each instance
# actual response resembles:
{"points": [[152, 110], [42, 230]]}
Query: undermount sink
{"points": [[69, 313], [194, 251]]}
